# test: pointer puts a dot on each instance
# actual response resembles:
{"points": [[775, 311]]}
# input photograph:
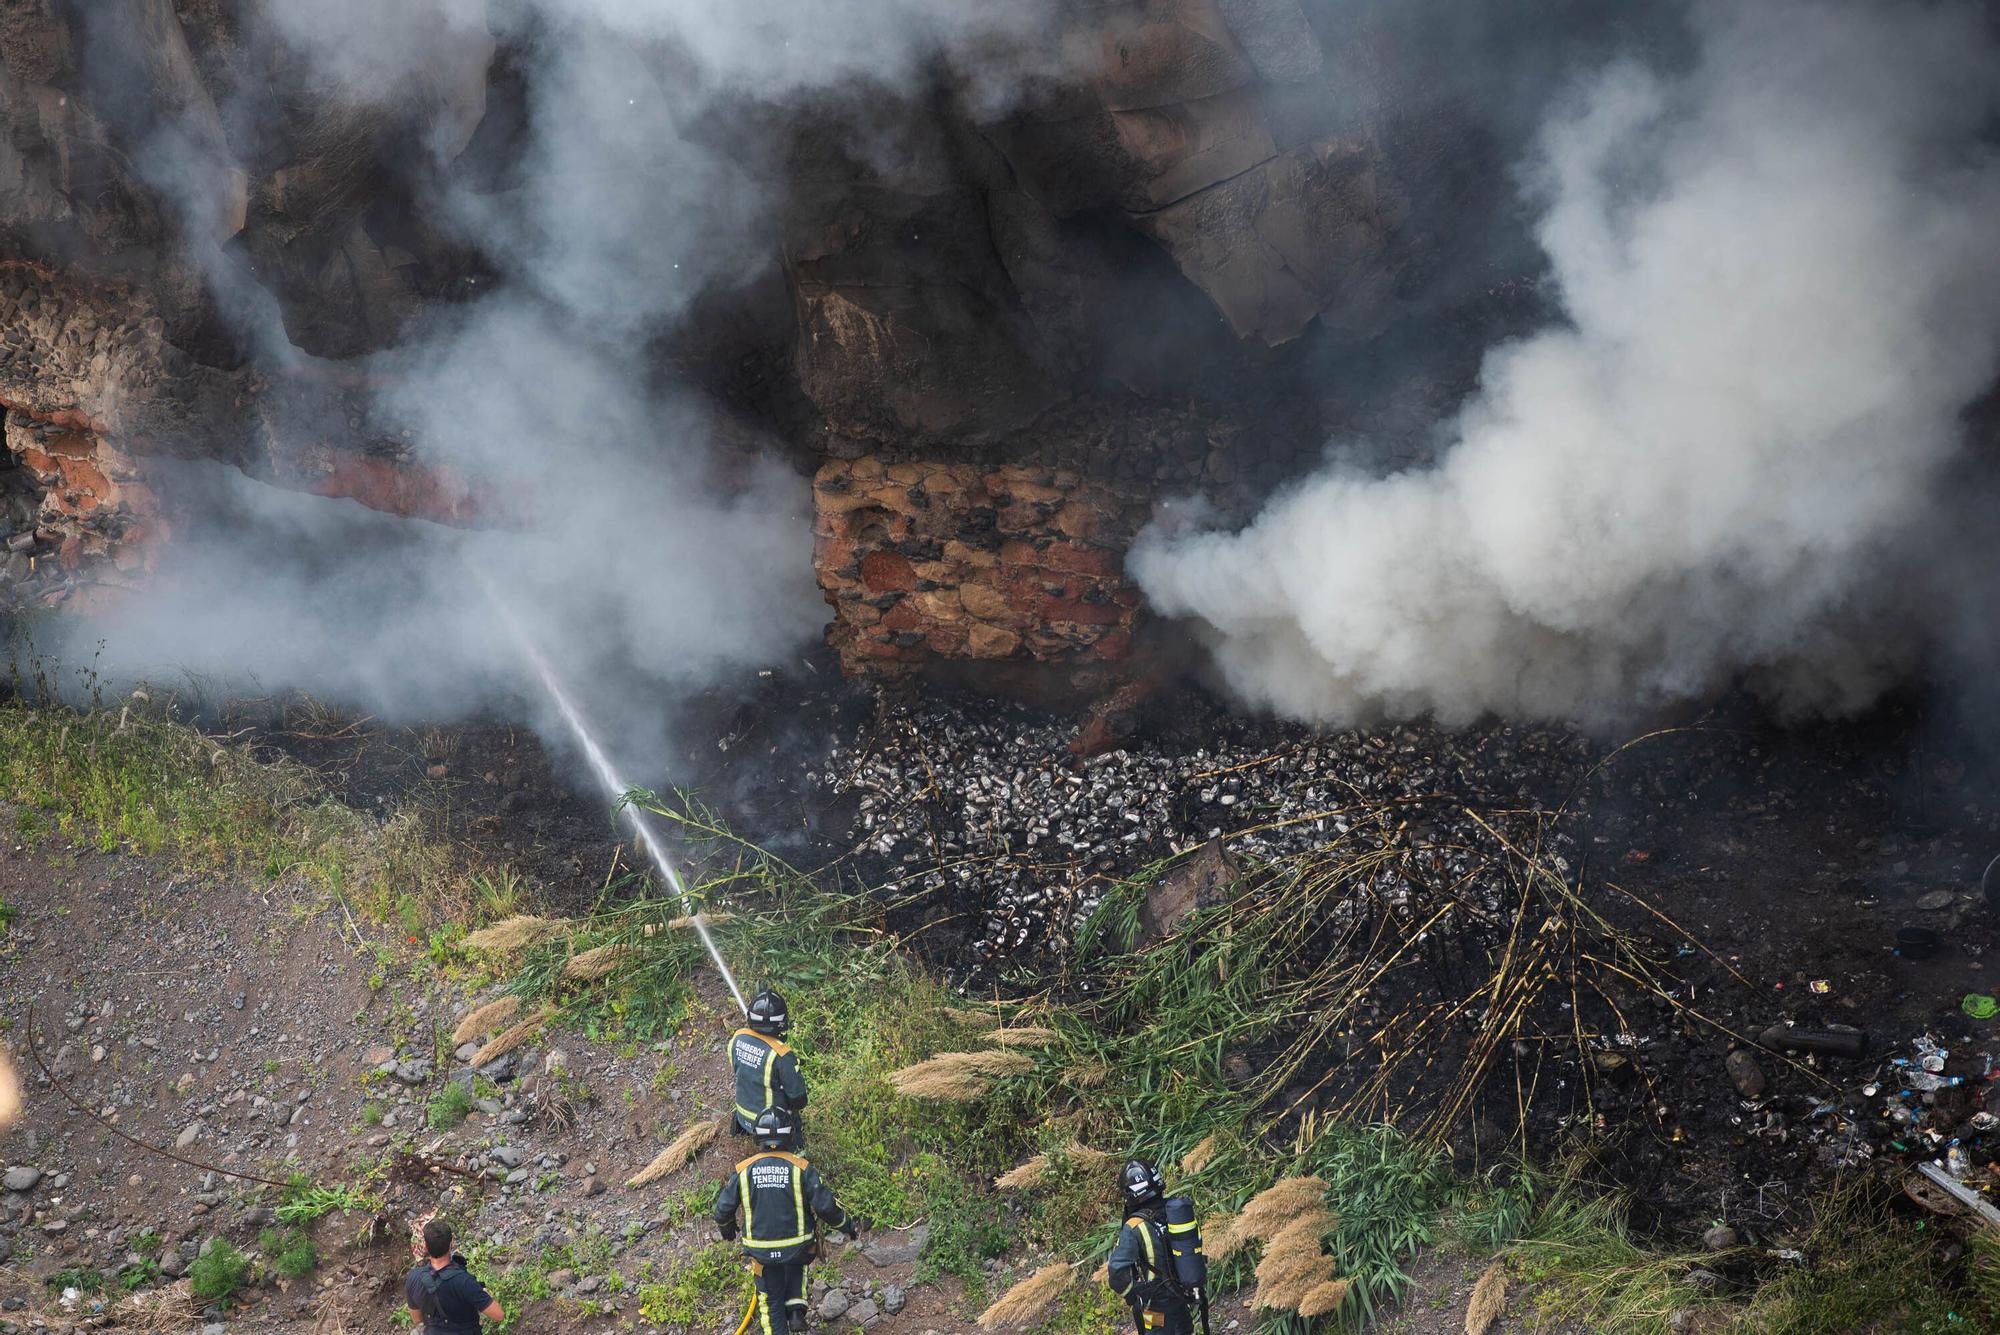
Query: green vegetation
{"points": [[1138, 1069], [145, 1244], [132, 1278], [133, 776], [218, 1272], [449, 1106], [303, 1202], [81, 1279], [711, 1284], [291, 1251]]}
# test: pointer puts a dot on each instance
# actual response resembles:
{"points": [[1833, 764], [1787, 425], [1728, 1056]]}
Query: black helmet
{"points": [[767, 1014], [774, 1129], [1141, 1183]]}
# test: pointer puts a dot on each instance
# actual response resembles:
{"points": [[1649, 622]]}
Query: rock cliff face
{"points": [[1015, 568], [1122, 279]]}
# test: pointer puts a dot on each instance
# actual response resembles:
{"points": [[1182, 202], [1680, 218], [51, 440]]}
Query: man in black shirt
{"points": [[444, 1299]]}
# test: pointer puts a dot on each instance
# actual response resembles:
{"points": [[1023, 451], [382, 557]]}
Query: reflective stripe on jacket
{"points": [[1135, 1259], [767, 1076], [780, 1195]]}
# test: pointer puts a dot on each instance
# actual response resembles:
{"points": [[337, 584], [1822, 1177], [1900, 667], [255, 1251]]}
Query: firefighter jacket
{"points": [[780, 1194], [767, 1076], [1141, 1267]]}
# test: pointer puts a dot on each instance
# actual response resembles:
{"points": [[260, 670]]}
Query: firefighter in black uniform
{"points": [[780, 1195], [1142, 1271], [763, 1065]]}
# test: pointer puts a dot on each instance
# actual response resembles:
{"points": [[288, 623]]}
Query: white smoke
{"points": [[1782, 289], [646, 560]]}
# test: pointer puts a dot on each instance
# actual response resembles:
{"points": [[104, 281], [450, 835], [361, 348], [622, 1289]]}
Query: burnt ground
{"points": [[1790, 855]]}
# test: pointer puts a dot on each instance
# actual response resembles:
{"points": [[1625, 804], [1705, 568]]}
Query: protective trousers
{"points": [[1163, 1316], [781, 1290]]}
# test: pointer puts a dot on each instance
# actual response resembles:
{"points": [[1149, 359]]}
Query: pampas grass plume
{"points": [[485, 1019], [683, 1148], [1024, 1304]]}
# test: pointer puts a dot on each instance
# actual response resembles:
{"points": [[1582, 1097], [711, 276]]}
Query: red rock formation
{"points": [[1015, 567]]}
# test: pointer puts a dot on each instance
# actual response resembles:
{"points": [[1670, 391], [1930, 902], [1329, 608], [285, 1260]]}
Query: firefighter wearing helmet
{"points": [[764, 1067], [1157, 1264], [780, 1196]]}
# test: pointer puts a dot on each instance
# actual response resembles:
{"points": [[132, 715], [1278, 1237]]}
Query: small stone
{"points": [[1720, 1238], [187, 1135], [898, 1249], [1745, 1073], [510, 1155], [1935, 900], [590, 1284], [893, 1299], [593, 1187], [834, 1305], [864, 1313], [21, 1179]]}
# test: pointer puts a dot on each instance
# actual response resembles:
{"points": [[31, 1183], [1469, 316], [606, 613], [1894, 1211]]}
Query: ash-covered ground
{"points": [[1752, 873]]}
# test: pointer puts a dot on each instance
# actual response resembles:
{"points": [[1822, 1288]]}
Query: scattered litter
{"points": [[1979, 1006], [1819, 987]]}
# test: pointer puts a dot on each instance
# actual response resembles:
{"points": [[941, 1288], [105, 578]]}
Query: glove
{"points": [[856, 1225], [727, 1227]]}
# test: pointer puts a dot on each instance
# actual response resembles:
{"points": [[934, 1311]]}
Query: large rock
{"points": [[1016, 567], [1276, 246]]}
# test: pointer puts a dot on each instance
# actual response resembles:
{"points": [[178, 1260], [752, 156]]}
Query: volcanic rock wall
{"points": [[1015, 567], [1189, 200]]}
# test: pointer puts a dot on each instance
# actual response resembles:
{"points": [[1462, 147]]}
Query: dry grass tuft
{"points": [[1284, 1281], [683, 924], [958, 1077], [514, 934], [509, 1039], [1295, 1264], [1024, 1176], [1324, 1298], [1035, 1171], [683, 1149], [596, 963], [1222, 1236], [1025, 1036], [1025, 1303], [485, 1019], [969, 1018], [1279, 1204], [1202, 1155], [1489, 1300]]}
